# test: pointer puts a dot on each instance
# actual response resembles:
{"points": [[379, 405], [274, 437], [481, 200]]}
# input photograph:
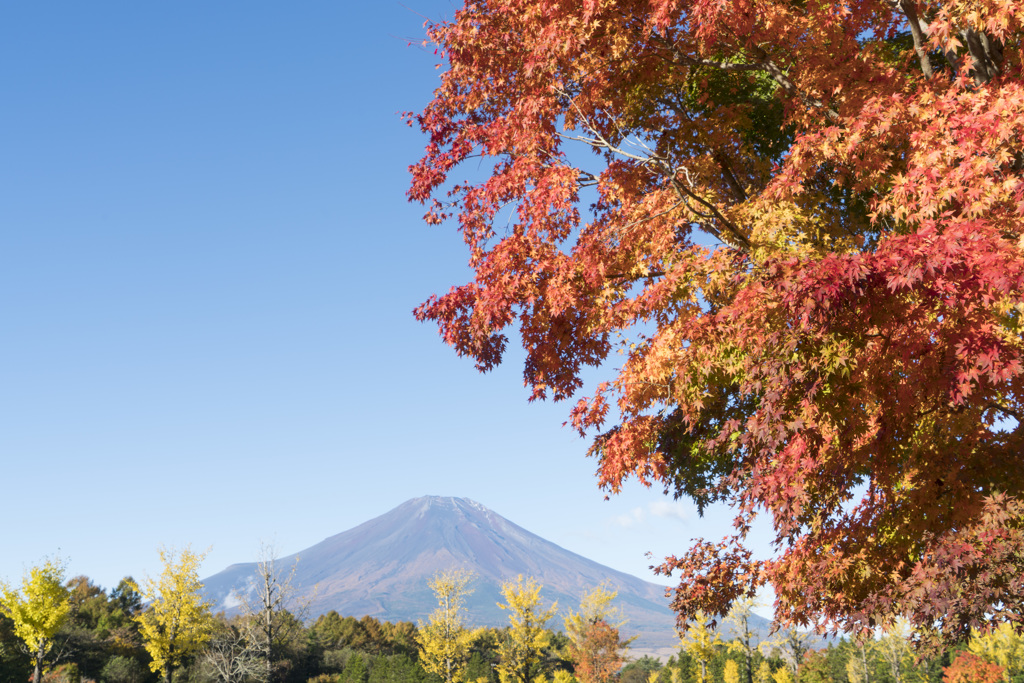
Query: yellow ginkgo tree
{"points": [[702, 644], [444, 641], [38, 610], [176, 622], [520, 653]]}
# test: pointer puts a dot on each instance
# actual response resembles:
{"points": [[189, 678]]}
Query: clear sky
{"points": [[208, 272]]}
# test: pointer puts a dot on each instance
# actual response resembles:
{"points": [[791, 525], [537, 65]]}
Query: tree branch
{"points": [[986, 55], [1008, 411], [666, 169], [763, 63], [919, 35]]}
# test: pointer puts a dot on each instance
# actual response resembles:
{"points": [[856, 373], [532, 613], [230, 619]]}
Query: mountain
{"points": [[381, 568]]}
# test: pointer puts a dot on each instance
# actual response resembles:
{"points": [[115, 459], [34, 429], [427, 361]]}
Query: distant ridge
{"points": [[381, 568]]}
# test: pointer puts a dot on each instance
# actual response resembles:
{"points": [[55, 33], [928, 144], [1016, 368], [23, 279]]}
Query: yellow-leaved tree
{"points": [[1003, 646], [519, 654], [596, 648], [563, 676], [743, 641], [699, 642], [731, 674], [444, 641], [176, 622], [896, 649], [857, 667], [38, 610], [783, 676]]}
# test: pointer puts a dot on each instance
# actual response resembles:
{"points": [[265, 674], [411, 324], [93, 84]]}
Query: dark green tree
{"points": [[15, 664], [120, 669], [100, 627], [355, 670], [639, 671]]}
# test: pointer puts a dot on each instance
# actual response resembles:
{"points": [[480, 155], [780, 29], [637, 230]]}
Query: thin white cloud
{"points": [[662, 509], [631, 518], [665, 508]]}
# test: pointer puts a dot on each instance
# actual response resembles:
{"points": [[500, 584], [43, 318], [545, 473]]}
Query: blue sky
{"points": [[208, 274]]}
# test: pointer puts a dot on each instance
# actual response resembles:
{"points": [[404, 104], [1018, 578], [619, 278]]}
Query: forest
{"points": [[55, 629]]}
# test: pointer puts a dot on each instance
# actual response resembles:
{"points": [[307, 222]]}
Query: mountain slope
{"points": [[381, 568]]}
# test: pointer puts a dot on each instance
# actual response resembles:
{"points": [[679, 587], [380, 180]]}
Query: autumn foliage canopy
{"points": [[800, 223], [969, 668]]}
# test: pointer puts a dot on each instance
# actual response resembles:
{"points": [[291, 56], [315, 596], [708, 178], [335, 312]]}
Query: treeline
{"points": [[996, 656], [101, 641], [54, 630], [844, 661]]}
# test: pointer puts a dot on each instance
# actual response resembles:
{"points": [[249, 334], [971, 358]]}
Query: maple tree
{"points": [[801, 227], [597, 653], [38, 610], [969, 668]]}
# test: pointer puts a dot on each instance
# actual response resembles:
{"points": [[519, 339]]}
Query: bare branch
{"points": [[635, 278], [682, 191], [666, 169], [263, 604], [723, 162], [780, 77]]}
